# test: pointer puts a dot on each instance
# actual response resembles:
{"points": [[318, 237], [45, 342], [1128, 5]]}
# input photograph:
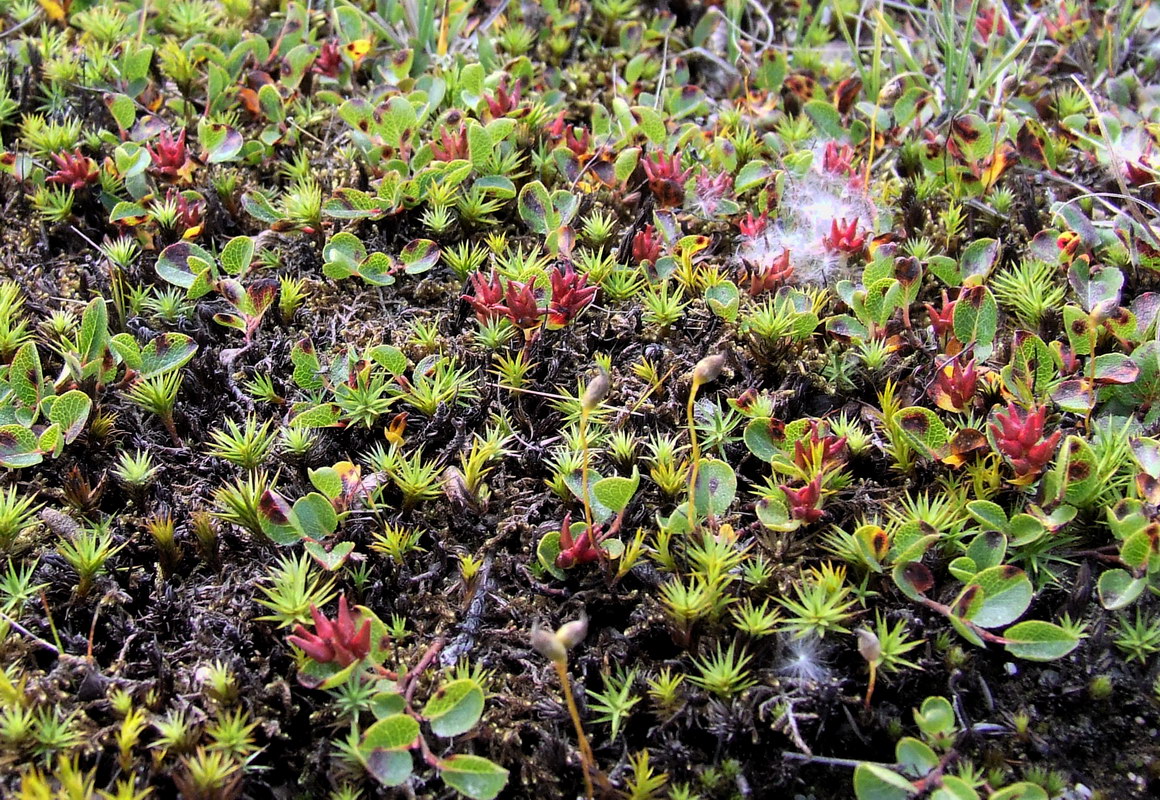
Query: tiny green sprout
{"points": [[469, 567], [794, 130], [667, 470], [165, 213], [291, 296], [622, 447], [1100, 687], [54, 732], [465, 258], [17, 514], [135, 471], [137, 297], [686, 604], [874, 354], [1140, 639], [346, 791], [395, 542], [513, 370], [17, 726], [232, 733], [716, 425], [1002, 200], [120, 701], [55, 203], [128, 735], [516, 39], [645, 783], [614, 704], [724, 673], [162, 531], [496, 242], [648, 372], [417, 479], [239, 502], [354, 696], [175, 732], [60, 326], [122, 252], [755, 620], [634, 550], [494, 333], [218, 682], [821, 606], [247, 445], [475, 208], [208, 773], [360, 576], [294, 585], [663, 308], [425, 334], [158, 395], [595, 265], [756, 571], [1053, 782], [441, 381], [953, 220], [270, 258], [87, 552], [205, 534], [168, 305], [857, 438], [664, 690], [302, 204], [438, 219], [598, 228], [297, 442], [397, 628], [1029, 290], [622, 283], [261, 388]]}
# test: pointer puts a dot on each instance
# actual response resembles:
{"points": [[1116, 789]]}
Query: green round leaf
{"points": [[173, 263], [396, 732], [419, 256], [762, 437], [455, 707], [915, 756], [1118, 589], [237, 255], [872, 782], [389, 767], [70, 412], [547, 551], [18, 447], [1036, 640], [344, 248], [314, 516], [1007, 593], [616, 492], [716, 487], [474, 776]]}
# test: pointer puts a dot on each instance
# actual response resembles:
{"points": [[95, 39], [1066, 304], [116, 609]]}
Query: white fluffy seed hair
{"points": [[808, 207], [804, 659]]}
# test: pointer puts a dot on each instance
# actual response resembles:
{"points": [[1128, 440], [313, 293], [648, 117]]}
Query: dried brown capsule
{"points": [[595, 392], [708, 368]]}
